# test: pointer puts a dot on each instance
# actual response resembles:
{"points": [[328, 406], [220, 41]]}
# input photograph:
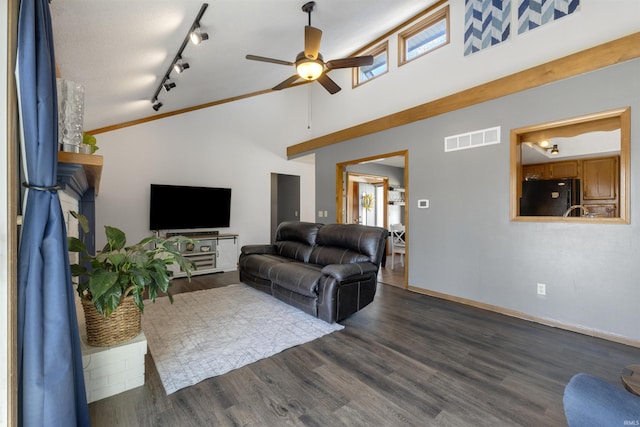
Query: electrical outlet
{"points": [[542, 289]]}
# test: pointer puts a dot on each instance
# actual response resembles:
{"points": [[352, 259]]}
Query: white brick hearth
{"points": [[114, 369]]}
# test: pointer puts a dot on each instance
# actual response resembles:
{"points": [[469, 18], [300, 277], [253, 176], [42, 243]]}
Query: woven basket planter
{"points": [[122, 325]]}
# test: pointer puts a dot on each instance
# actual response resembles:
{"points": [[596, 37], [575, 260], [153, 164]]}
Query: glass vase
{"points": [[70, 114]]}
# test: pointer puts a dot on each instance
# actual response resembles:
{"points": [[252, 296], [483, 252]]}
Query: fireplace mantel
{"points": [[79, 172]]}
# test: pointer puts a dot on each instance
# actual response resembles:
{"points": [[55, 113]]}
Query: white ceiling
{"points": [[119, 50], [591, 144]]}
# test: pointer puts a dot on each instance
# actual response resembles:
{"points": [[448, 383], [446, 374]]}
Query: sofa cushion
{"points": [[260, 265], [259, 249], [294, 250], [297, 277], [366, 240], [324, 255], [295, 239], [296, 231]]}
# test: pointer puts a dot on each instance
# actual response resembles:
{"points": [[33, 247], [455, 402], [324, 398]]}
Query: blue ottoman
{"points": [[590, 401]]}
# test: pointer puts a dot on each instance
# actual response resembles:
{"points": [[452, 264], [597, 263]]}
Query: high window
{"points": [[380, 65], [423, 37]]}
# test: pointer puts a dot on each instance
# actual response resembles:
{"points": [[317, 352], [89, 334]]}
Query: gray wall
{"points": [[395, 175], [464, 245]]}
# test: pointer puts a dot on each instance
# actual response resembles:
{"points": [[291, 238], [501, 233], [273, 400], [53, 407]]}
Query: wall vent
{"points": [[473, 139]]}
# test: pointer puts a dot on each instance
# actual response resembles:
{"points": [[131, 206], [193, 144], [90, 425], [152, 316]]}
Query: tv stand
{"points": [[211, 252], [195, 233]]}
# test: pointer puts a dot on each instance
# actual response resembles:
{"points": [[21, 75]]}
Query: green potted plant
{"points": [[88, 145], [113, 283]]}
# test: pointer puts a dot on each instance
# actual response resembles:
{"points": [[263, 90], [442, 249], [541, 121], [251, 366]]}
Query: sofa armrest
{"points": [[342, 272], [259, 249]]}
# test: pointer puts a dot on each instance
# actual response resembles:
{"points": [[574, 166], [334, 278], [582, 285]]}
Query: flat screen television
{"points": [[177, 207]]}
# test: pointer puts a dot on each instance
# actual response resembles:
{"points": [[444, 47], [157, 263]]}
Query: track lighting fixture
{"points": [[197, 36], [168, 85], [178, 65]]}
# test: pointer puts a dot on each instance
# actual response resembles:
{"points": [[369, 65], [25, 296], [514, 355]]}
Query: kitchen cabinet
{"points": [[533, 172], [600, 178], [599, 181], [555, 170], [562, 170], [601, 187]]}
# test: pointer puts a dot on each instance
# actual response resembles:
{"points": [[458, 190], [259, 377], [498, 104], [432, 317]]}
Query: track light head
{"points": [[180, 66], [196, 36], [168, 86], [157, 106]]}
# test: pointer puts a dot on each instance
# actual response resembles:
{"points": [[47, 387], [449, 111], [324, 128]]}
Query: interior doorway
{"points": [[285, 200], [363, 193], [373, 191]]}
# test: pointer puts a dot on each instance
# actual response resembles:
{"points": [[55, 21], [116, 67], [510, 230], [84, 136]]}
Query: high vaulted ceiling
{"points": [[119, 50]]}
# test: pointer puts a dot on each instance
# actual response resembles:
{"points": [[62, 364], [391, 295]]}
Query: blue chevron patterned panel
{"points": [[534, 13], [486, 23]]}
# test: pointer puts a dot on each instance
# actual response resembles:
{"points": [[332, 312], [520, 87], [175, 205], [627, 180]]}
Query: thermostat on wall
{"points": [[423, 203]]}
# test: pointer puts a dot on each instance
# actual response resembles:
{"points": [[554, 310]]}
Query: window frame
{"points": [[607, 120], [432, 19], [379, 49]]}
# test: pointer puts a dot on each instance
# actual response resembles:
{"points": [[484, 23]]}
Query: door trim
{"points": [[340, 196]]}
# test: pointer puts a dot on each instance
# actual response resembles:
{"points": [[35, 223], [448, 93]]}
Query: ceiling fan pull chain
{"points": [[309, 107]]}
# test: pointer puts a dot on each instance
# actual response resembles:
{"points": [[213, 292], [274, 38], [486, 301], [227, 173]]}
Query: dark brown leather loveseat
{"points": [[326, 270]]}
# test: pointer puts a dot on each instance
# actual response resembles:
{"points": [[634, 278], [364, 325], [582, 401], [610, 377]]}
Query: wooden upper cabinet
{"points": [[533, 172], [556, 170], [562, 170], [600, 179]]}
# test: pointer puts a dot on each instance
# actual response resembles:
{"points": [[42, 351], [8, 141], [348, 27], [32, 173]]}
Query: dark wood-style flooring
{"points": [[404, 360]]}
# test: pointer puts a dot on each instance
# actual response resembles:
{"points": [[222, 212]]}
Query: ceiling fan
{"points": [[309, 63]]}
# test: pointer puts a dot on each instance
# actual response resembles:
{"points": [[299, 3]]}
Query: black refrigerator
{"points": [[549, 197]]}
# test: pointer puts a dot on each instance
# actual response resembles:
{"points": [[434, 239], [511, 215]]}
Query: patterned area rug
{"points": [[208, 333]]}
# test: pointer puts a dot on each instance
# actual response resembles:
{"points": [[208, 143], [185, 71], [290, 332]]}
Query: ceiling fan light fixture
{"points": [[309, 69], [196, 36], [554, 150]]}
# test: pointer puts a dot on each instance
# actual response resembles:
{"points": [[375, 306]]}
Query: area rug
{"points": [[211, 332]]}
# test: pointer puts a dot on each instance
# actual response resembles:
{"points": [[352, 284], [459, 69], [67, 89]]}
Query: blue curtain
{"points": [[51, 390]]}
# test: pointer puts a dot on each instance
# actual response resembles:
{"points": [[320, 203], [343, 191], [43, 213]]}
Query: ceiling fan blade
{"points": [[265, 59], [331, 86], [312, 38], [286, 83], [358, 61]]}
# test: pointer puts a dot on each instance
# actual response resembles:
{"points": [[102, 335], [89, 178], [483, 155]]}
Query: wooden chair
{"points": [[397, 243]]}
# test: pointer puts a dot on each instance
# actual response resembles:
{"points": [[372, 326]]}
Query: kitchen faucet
{"points": [[585, 211]]}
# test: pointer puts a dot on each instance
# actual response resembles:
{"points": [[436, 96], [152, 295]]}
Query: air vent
{"points": [[473, 139]]}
